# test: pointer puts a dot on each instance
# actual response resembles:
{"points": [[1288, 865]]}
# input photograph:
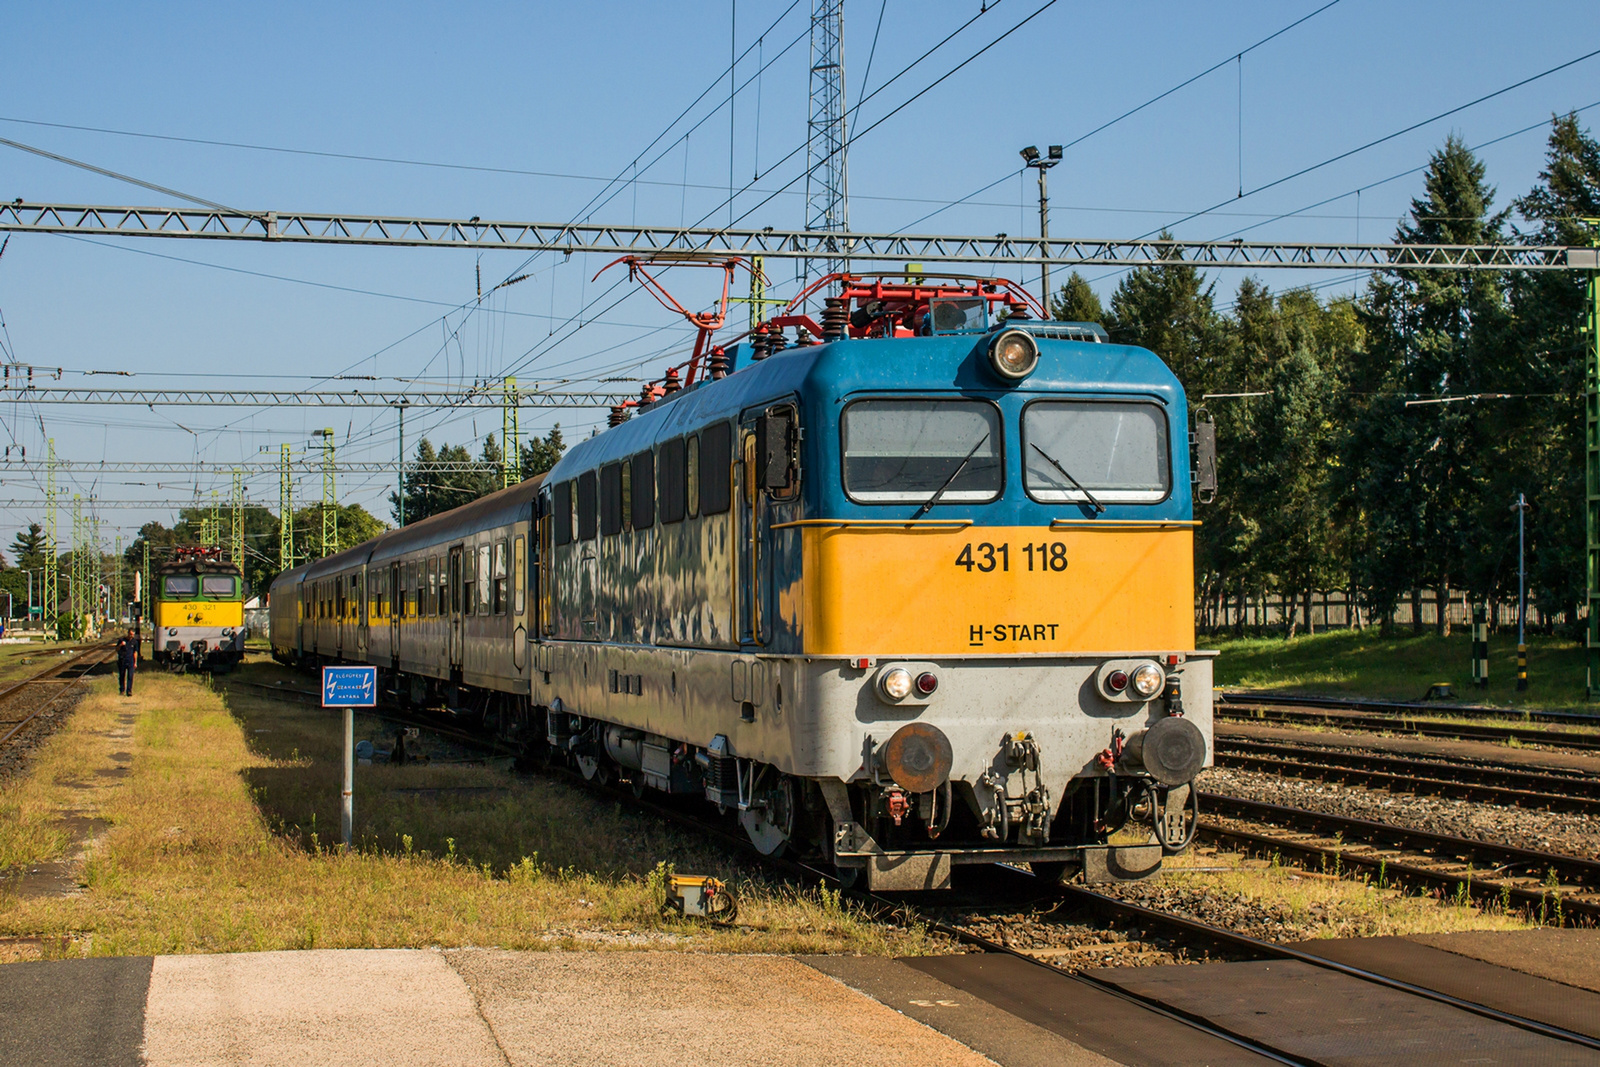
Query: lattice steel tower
{"points": [[827, 135], [51, 593]]}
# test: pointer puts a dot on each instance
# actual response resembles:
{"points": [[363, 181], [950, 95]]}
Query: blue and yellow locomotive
{"points": [[913, 592]]}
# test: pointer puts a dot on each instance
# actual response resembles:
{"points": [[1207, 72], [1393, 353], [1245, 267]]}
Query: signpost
{"points": [[349, 688]]}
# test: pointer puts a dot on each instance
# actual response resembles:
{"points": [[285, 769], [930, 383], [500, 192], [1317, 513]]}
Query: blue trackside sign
{"points": [[349, 687]]}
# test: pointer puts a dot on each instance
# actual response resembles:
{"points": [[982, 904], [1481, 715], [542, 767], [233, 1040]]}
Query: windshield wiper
{"points": [[1098, 507], [934, 499]]}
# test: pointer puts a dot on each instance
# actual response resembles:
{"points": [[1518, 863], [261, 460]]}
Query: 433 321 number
{"points": [[986, 557]]}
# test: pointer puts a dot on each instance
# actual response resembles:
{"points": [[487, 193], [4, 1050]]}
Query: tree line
{"points": [[1376, 444]]}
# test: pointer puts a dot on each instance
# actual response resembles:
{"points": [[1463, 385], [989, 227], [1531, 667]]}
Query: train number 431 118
{"points": [[986, 557]]}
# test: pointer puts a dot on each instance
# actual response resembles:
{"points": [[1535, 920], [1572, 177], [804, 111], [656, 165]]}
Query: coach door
{"points": [[456, 607], [393, 596], [519, 603]]}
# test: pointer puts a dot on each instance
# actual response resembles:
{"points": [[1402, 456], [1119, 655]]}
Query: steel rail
{"points": [[1396, 707], [677, 241], [1375, 835], [1243, 942], [1347, 720], [1462, 781], [48, 674]]}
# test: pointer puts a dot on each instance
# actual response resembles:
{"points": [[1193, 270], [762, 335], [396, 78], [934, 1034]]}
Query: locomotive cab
{"points": [[197, 611], [918, 596]]}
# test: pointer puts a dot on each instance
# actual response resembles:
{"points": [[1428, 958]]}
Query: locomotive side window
{"points": [[611, 499], [561, 512], [670, 477], [1082, 451], [644, 490], [908, 451], [716, 468], [691, 483], [502, 577], [586, 506], [176, 585]]}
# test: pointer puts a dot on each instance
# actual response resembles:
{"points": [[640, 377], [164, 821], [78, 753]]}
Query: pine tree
{"points": [[28, 547], [540, 455], [1077, 302], [1414, 470]]}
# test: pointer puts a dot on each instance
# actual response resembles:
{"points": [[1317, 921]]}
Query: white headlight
{"points": [[1146, 680], [896, 684], [1013, 355]]}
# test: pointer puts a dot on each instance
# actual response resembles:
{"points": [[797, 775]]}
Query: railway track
{"points": [[1406, 719], [18, 715], [1461, 780], [1550, 886]]}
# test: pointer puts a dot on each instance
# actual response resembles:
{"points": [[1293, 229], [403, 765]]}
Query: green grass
{"points": [[1364, 664]]}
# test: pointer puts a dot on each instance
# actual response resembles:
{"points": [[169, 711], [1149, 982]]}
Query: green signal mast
{"points": [[51, 593], [510, 438], [330, 502], [285, 513]]}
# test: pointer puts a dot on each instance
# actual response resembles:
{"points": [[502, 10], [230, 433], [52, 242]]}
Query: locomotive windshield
{"points": [[1115, 451], [180, 585], [217, 585], [904, 451]]}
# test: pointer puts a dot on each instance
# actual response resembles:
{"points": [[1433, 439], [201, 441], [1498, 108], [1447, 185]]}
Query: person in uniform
{"points": [[127, 662]]}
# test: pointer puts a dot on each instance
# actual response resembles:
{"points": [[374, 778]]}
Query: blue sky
{"points": [[577, 92]]}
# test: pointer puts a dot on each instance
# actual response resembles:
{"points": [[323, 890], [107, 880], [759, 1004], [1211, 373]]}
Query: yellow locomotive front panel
{"points": [[948, 590], [202, 613]]}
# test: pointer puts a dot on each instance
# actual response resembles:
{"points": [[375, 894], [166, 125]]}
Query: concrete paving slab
{"points": [[598, 1009], [73, 1013], [1000, 1035], [1571, 957], [397, 1007]]}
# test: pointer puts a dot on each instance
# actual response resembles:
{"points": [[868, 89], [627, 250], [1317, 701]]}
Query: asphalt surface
{"points": [[74, 1013]]}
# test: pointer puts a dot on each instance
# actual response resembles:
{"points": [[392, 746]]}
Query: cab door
{"points": [[456, 607], [749, 534]]}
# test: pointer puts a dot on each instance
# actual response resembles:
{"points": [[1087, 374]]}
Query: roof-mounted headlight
{"points": [[1013, 354]]}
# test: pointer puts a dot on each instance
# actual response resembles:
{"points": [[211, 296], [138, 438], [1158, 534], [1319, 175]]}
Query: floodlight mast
{"points": [[1030, 158]]}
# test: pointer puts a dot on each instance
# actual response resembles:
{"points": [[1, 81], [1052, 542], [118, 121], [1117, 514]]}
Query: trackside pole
{"points": [[347, 810], [349, 688]]}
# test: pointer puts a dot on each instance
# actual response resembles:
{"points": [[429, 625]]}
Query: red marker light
{"points": [[1117, 681], [927, 682]]}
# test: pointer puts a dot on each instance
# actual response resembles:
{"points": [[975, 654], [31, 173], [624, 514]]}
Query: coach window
{"points": [[587, 492], [501, 577], [669, 481], [483, 580], [561, 513], [339, 582], [519, 564], [716, 468], [691, 475], [644, 490], [625, 479], [910, 451], [611, 499]]}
